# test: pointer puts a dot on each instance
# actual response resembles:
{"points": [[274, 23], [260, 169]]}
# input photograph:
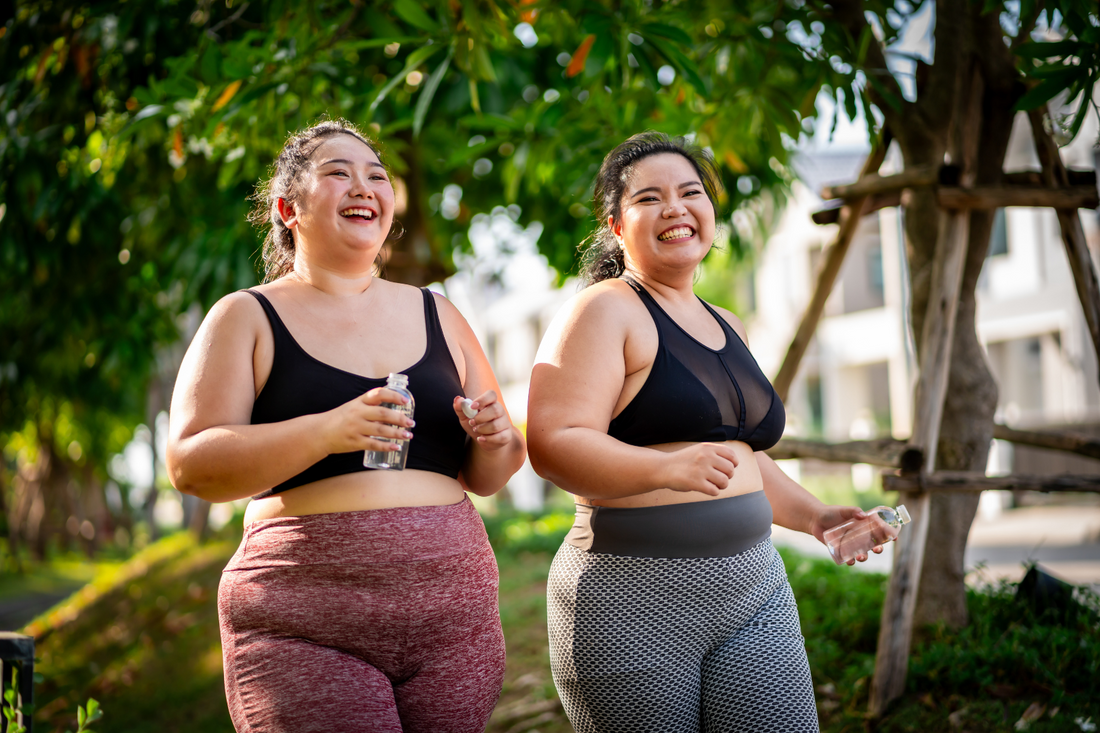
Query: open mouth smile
{"points": [[361, 214], [680, 232]]}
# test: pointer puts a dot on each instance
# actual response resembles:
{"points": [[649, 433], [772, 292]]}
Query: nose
{"points": [[673, 209], [360, 189]]}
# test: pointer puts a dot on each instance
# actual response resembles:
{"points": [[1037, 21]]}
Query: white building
{"points": [[856, 380]]}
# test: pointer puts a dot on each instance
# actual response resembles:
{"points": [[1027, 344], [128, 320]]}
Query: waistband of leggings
{"points": [[715, 528], [400, 534]]}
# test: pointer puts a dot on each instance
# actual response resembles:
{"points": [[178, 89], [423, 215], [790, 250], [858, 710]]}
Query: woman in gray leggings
{"points": [[669, 608]]}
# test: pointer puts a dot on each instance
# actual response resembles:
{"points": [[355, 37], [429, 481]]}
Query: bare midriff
{"points": [[361, 491], [746, 479]]}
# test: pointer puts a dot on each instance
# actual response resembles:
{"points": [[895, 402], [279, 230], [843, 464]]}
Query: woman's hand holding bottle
{"points": [[361, 423]]}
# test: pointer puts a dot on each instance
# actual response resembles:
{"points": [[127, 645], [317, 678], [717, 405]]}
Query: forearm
{"points": [[594, 465], [485, 472], [230, 462], [793, 506]]}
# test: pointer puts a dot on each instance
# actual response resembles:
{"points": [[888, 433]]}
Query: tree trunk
{"points": [[967, 425], [412, 257]]}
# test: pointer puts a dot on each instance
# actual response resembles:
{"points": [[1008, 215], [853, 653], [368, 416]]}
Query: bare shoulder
{"points": [[733, 320], [236, 311], [606, 303], [450, 317], [600, 318]]}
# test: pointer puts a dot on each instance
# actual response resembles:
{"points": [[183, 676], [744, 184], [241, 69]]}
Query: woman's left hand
{"points": [[829, 516], [491, 427]]}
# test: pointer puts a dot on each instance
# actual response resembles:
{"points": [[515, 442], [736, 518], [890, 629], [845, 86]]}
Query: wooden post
{"points": [[1084, 273], [850, 216], [896, 629]]}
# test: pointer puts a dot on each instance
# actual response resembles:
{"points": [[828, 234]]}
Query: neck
{"points": [[329, 281], [673, 285]]}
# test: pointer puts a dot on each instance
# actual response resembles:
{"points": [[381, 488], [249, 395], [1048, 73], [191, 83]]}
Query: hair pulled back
{"points": [[602, 258], [283, 183]]}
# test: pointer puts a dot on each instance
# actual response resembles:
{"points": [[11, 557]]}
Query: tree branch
{"points": [[850, 15]]}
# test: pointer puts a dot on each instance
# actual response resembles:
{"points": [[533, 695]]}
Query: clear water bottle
{"points": [[393, 460], [857, 536]]}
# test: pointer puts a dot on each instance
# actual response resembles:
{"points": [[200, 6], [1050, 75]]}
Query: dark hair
{"points": [[282, 183], [602, 258]]}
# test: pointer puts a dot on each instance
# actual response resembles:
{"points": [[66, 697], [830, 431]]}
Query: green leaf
{"points": [[682, 64], [415, 58], [1039, 95], [413, 13], [663, 30], [378, 42], [1037, 50], [428, 92], [81, 716]]}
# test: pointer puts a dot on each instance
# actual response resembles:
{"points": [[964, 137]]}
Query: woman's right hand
{"points": [[363, 423], [704, 467]]}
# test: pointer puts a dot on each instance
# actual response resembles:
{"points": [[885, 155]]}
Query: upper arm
{"points": [[580, 368], [216, 384]]}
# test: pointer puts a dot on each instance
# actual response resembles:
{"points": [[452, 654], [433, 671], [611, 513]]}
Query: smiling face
{"points": [[344, 203], [667, 221]]}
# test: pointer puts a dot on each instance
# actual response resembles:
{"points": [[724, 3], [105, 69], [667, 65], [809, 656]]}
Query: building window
{"points": [[998, 239], [874, 271], [813, 397]]}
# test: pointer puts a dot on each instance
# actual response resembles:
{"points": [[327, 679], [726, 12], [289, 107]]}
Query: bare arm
{"points": [[496, 449], [213, 450], [577, 379]]}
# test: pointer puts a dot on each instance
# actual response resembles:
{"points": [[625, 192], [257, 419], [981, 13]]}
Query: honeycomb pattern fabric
{"points": [[683, 645]]}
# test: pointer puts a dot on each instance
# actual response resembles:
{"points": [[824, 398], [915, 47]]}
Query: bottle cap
{"points": [[468, 407], [903, 514]]}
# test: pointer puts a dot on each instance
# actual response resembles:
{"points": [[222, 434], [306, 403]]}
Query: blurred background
{"points": [[132, 135]]}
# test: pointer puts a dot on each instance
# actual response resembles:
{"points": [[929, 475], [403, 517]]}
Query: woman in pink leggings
{"points": [[359, 599]]}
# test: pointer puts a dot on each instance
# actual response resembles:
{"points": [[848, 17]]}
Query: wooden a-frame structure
{"points": [[1054, 186]]}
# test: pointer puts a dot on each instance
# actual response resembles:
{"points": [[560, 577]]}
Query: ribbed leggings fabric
{"points": [[683, 645], [383, 620]]}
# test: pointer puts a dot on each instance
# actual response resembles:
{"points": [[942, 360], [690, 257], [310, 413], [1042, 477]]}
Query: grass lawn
{"points": [[142, 639]]}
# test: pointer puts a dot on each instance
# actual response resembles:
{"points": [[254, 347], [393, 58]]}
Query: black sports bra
{"points": [[300, 385], [697, 394]]}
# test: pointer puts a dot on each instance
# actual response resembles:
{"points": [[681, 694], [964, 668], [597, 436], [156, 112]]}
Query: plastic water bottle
{"points": [[857, 536], [393, 460]]}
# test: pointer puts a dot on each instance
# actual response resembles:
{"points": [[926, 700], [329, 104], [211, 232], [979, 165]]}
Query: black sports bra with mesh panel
{"points": [[697, 394]]}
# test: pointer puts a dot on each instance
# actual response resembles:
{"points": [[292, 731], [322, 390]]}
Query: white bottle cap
{"points": [[467, 407], [903, 514]]}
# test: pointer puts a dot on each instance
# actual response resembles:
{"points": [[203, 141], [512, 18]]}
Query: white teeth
{"points": [[676, 233], [366, 213]]}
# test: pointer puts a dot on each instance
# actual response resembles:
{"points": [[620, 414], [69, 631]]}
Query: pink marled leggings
{"points": [[381, 620]]}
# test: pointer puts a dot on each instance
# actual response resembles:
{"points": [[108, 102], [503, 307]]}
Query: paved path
{"points": [[1064, 540]]}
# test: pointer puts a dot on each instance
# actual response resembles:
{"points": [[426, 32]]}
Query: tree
{"points": [[992, 43]]}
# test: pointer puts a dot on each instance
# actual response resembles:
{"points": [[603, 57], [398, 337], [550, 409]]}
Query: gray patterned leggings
{"points": [[682, 645]]}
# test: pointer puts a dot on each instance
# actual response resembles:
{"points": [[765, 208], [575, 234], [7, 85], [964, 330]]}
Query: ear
{"points": [[616, 228], [287, 212]]}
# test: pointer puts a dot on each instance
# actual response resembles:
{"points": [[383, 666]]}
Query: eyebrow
{"points": [[348, 162], [655, 188]]}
